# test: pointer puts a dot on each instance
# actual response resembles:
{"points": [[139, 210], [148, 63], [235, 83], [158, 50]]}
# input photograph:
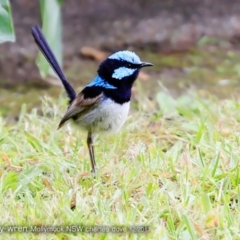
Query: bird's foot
{"points": [[94, 172]]}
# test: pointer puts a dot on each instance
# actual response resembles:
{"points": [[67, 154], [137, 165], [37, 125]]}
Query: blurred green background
{"points": [[194, 46]]}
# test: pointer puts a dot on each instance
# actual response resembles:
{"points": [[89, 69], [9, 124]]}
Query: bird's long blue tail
{"points": [[47, 52]]}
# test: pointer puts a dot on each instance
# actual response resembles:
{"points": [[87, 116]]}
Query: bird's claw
{"points": [[94, 172]]}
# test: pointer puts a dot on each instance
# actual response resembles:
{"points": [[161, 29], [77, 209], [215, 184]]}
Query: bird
{"points": [[103, 104]]}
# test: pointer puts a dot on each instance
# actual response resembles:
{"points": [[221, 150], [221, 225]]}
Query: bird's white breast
{"points": [[108, 117]]}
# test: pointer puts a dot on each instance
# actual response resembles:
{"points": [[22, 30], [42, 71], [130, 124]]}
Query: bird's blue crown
{"points": [[127, 56]]}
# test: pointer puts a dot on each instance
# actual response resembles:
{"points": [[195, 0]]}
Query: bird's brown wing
{"points": [[80, 105]]}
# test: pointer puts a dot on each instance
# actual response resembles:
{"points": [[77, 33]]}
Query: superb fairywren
{"points": [[103, 105]]}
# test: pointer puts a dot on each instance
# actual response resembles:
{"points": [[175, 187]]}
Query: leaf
{"points": [[29, 178], [34, 142], [212, 220], [166, 103], [189, 226], [206, 203], [51, 25], [6, 23], [9, 180]]}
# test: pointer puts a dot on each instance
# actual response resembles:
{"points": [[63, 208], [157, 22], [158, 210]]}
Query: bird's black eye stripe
{"points": [[131, 65], [121, 63]]}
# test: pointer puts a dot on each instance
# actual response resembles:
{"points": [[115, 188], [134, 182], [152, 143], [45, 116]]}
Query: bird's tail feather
{"points": [[47, 52]]}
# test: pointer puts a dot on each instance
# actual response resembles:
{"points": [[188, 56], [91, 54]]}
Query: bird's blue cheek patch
{"points": [[122, 72], [99, 82]]}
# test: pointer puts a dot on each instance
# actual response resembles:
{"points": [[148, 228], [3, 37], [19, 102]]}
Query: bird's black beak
{"points": [[146, 64]]}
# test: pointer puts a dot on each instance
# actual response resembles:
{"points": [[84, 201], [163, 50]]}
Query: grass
{"points": [[175, 170]]}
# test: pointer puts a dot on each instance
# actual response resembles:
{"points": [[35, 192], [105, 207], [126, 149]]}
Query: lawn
{"points": [[173, 171]]}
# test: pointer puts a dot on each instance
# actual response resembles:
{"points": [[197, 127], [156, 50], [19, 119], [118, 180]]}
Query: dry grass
{"points": [[175, 171]]}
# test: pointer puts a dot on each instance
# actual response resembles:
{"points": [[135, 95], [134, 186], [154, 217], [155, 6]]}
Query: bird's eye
{"points": [[129, 65]]}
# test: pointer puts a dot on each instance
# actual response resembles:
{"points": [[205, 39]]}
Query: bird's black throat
{"points": [[119, 96]]}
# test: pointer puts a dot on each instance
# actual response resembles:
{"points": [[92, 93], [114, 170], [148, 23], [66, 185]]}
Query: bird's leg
{"points": [[91, 152]]}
